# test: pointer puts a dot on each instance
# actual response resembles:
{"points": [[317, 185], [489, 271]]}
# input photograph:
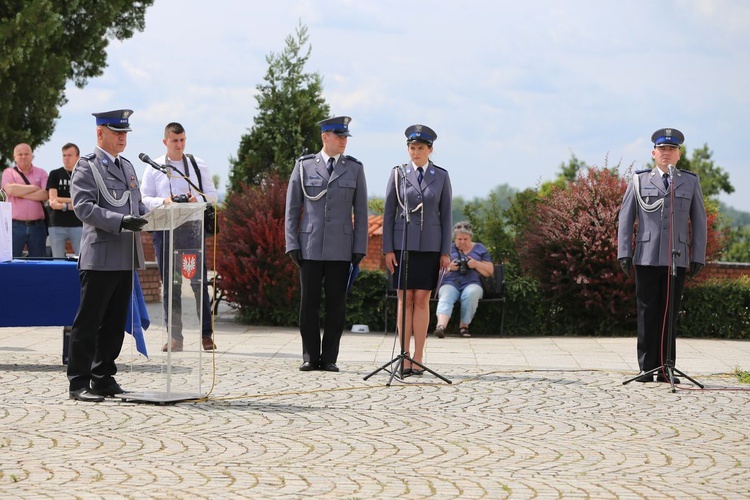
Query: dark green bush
{"points": [[365, 304], [716, 308]]}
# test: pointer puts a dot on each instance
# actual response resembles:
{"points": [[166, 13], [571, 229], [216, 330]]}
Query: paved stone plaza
{"points": [[523, 418]]}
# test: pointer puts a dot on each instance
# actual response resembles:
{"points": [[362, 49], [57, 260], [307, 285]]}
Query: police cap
{"points": [[667, 137], [116, 120], [420, 133], [339, 125]]}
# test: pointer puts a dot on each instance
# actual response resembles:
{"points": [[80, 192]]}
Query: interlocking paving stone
{"points": [[555, 426]]}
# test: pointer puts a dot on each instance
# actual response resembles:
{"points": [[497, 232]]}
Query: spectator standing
{"points": [[159, 188], [63, 223], [25, 186]]}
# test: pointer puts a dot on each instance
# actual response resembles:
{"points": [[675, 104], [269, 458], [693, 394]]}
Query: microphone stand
{"points": [[668, 366], [404, 355]]}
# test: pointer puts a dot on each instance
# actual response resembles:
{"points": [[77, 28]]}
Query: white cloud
{"points": [[512, 88]]}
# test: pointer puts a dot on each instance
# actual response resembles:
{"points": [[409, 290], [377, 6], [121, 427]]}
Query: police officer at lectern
{"points": [[326, 236], [647, 199], [107, 198]]}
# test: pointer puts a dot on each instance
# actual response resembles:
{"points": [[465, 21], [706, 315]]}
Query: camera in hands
{"points": [[463, 264], [180, 198]]}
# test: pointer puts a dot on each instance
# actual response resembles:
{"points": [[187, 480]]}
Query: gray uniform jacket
{"points": [[323, 229], [103, 246], [652, 245], [431, 225]]}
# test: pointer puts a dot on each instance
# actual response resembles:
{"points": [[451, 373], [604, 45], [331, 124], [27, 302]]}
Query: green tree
{"points": [[490, 222], [376, 205], [289, 107], [714, 180], [45, 44], [568, 173], [738, 245]]}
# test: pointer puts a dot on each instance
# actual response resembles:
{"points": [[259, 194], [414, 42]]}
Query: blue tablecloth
{"points": [[39, 292]]}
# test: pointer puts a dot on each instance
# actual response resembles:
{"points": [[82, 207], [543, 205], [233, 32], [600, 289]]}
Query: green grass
{"points": [[742, 375]]}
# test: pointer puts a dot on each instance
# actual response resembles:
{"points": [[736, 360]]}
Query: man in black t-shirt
{"points": [[64, 225]]}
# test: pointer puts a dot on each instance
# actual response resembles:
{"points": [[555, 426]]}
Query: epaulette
{"points": [[306, 157], [439, 168], [353, 159], [89, 156], [120, 156], [689, 172], [643, 171]]}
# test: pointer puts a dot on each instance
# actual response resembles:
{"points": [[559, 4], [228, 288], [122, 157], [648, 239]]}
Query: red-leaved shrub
{"points": [[570, 247], [256, 275]]}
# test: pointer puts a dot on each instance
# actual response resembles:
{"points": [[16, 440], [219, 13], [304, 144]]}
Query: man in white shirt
{"points": [[186, 176]]}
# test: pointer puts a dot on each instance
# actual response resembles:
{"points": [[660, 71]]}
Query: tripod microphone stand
{"points": [[404, 355], [668, 365]]}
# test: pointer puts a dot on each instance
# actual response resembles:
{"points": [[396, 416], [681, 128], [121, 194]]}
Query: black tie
{"points": [[421, 175], [666, 181], [117, 162], [330, 165]]}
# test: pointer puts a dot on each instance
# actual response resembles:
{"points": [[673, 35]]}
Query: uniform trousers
{"points": [[314, 275], [99, 327], [651, 284]]}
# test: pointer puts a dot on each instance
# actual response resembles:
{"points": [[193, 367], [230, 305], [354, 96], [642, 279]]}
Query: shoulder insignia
{"points": [[89, 156], [643, 171], [306, 157], [689, 172], [353, 159], [439, 168]]}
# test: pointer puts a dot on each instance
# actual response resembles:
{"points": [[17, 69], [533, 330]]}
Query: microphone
{"points": [[670, 173], [147, 159], [402, 169]]}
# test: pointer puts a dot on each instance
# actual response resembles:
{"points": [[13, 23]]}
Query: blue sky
{"points": [[511, 88]]}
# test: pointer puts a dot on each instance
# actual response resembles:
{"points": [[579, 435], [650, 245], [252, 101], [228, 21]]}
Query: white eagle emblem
{"points": [[189, 265]]}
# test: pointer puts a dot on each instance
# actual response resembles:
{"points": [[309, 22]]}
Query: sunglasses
{"points": [[462, 226]]}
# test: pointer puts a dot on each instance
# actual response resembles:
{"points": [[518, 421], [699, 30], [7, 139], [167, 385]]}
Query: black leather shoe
{"points": [[642, 377], [417, 371], [329, 367], [662, 378], [110, 390], [308, 366], [84, 394], [407, 371]]}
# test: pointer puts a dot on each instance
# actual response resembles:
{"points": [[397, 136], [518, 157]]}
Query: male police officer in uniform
{"points": [[648, 199], [106, 197], [323, 238]]}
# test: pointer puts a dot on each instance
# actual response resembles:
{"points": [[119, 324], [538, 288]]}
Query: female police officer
{"points": [[417, 225]]}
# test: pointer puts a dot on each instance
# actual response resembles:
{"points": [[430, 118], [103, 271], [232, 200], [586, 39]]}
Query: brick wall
{"points": [[724, 270], [374, 259]]}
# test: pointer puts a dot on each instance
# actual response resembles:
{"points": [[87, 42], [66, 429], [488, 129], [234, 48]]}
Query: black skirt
{"points": [[423, 272]]}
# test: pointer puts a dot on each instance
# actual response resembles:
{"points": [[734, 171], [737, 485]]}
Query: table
{"points": [[43, 292]]}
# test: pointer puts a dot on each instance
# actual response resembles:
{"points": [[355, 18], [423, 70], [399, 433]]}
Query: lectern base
{"points": [[161, 398]]}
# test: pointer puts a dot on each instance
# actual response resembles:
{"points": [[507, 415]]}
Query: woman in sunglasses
{"points": [[463, 281]]}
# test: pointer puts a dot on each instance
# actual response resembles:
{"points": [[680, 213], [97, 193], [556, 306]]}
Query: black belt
{"points": [[29, 222]]}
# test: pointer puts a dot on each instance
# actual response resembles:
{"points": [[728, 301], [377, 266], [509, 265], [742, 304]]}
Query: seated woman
{"points": [[469, 262]]}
